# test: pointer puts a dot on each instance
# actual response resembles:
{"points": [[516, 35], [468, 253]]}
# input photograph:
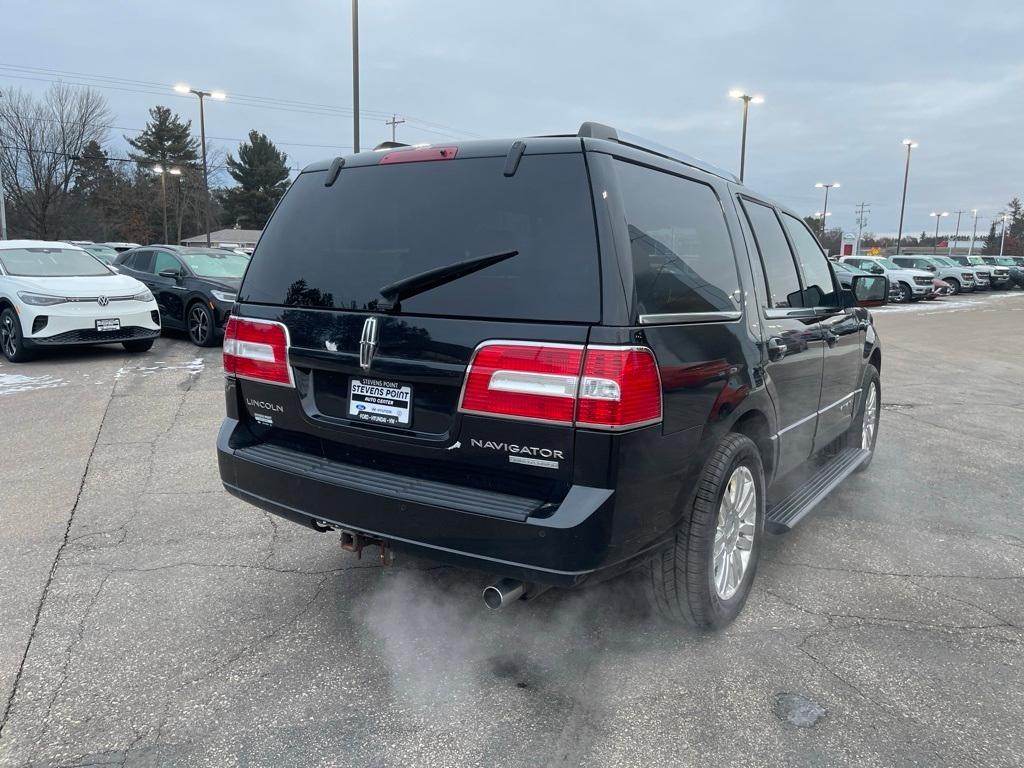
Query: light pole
{"points": [[974, 232], [355, 75], [822, 215], [938, 218], [3, 205], [956, 234], [163, 191], [736, 93], [1002, 238], [219, 96], [909, 144], [824, 208]]}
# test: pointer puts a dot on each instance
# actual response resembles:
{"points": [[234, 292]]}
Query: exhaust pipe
{"points": [[503, 593]]}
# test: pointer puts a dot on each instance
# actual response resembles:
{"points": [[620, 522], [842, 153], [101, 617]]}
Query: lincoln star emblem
{"points": [[368, 343], [103, 301]]}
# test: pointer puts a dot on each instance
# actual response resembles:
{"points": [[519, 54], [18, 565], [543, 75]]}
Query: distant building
{"points": [[237, 238]]}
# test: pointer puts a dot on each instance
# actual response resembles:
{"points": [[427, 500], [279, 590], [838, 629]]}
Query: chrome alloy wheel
{"points": [[734, 537], [870, 421], [198, 324], [9, 337]]}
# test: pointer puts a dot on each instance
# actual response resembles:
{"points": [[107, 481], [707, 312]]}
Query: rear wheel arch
{"points": [[876, 359], [755, 425]]}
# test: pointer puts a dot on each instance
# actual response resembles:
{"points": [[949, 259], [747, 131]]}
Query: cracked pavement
{"points": [[151, 619]]}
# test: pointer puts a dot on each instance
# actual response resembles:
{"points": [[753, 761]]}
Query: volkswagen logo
{"points": [[103, 301]]}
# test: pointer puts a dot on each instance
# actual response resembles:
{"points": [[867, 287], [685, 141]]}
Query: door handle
{"points": [[777, 348]]}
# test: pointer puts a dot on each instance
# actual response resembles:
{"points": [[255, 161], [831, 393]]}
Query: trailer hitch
{"points": [[357, 542]]}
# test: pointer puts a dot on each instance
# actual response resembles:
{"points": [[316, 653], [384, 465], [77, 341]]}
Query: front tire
{"points": [[864, 430], [136, 346], [200, 325], [12, 343], [702, 579], [954, 286], [904, 295]]}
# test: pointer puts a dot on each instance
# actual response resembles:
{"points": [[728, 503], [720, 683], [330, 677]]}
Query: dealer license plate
{"points": [[111, 324], [380, 402]]}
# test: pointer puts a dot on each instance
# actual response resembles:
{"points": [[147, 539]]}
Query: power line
{"points": [[43, 74]]}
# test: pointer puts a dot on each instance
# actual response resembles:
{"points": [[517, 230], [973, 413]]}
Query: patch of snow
{"points": [[10, 383], [194, 367]]}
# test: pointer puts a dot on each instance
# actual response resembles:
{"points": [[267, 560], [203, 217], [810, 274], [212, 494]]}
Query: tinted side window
{"points": [[779, 268], [818, 288], [141, 261], [164, 260], [682, 254]]}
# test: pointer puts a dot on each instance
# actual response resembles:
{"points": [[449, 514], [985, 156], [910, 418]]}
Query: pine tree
{"points": [[166, 140], [261, 172], [992, 241]]}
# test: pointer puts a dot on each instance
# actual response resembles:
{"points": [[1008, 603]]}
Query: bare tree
{"points": [[42, 140]]}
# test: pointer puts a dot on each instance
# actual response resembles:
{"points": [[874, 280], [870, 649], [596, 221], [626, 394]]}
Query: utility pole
{"points": [[974, 233], [862, 221], [3, 205], [355, 75], [1002, 238], [394, 122], [952, 243]]}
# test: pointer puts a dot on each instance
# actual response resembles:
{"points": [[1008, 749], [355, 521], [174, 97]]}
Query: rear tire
{"points": [[12, 343], [138, 345], [871, 391], [686, 583]]}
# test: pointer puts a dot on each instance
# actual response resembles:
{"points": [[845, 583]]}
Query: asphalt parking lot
{"points": [[148, 618]]}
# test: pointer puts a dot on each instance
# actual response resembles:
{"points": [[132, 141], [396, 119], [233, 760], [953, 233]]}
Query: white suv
{"points": [[908, 284], [959, 278], [57, 294]]}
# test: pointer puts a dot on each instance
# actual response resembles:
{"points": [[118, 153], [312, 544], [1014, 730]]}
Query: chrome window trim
{"points": [[691, 317]]}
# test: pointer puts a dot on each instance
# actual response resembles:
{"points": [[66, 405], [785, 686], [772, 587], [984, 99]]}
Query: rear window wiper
{"points": [[413, 285]]}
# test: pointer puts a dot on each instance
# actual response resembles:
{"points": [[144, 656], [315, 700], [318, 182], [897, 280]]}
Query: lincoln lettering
{"points": [[527, 450], [272, 407]]}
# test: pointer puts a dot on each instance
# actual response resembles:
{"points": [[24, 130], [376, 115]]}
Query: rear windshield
{"points": [[337, 246], [50, 262]]}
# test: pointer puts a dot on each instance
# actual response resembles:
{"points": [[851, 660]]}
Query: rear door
{"points": [[841, 329], [380, 382], [794, 347]]}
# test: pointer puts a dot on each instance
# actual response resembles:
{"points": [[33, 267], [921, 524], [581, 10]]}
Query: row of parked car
{"points": [[912, 278], [63, 294]]}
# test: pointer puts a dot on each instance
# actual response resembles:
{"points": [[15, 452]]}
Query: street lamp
{"points": [[824, 208], [909, 144], [1002, 238], [974, 232], [736, 93], [219, 96], [163, 190], [938, 218], [3, 205]]}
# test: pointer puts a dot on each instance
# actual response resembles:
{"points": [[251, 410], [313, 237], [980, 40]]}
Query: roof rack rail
{"points": [[590, 130]]}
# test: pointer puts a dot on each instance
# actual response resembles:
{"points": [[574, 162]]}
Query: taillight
{"points": [[620, 388], [526, 381], [594, 387], [257, 350], [419, 155]]}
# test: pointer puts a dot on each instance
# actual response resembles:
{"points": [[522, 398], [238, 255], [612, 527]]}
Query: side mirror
{"points": [[870, 291], [876, 270], [932, 268], [172, 273]]}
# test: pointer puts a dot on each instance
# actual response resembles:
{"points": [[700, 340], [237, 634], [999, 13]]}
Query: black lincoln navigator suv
{"points": [[552, 359]]}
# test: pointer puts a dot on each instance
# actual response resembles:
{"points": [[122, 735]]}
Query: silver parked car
{"points": [[959, 278]]}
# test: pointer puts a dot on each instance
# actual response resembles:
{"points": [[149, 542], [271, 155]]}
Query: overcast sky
{"points": [[843, 83]]}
